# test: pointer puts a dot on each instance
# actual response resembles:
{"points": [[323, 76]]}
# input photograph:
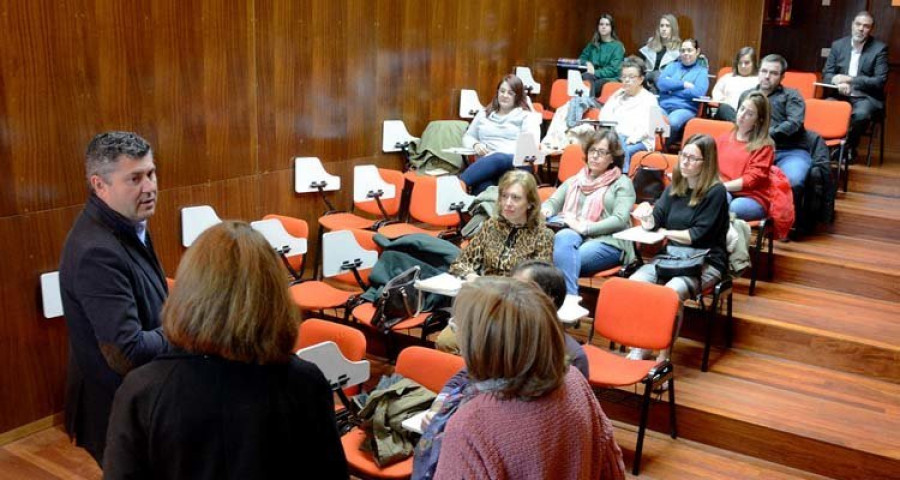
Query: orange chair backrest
{"points": [[170, 282], [391, 205], [559, 93], [723, 71], [350, 341], [430, 368], [803, 82], [828, 118], [665, 161], [636, 313], [592, 114], [423, 203], [295, 227], [713, 128], [608, 89], [570, 163]]}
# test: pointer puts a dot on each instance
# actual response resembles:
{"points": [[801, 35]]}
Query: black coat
{"points": [[113, 289], [873, 68], [189, 416]]}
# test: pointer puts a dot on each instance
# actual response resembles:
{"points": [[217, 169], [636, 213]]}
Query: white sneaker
{"points": [[638, 354]]}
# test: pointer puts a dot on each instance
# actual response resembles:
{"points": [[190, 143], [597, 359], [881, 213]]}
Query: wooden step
{"points": [[868, 216], [682, 458], [819, 327], [883, 180], [810, 418], [865, 267]]}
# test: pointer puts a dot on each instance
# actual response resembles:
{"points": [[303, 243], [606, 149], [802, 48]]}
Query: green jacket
{"points": [[606, 57], [617, 205], [428, 152]]}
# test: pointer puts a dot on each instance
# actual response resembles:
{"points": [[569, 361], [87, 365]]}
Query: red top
{"points": [[735, 161]]}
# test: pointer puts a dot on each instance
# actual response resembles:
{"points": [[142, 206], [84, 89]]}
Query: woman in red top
{"points": [[745, 157]]}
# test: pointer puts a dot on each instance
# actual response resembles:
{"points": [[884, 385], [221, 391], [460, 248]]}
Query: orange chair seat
{"points": [[363, 464], [344, 221], [364, 313], [609, 272], [546, 192], [396, 230], [614, 370], [833, 142], [314, 295]]}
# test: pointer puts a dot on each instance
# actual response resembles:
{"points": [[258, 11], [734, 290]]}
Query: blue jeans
{"points": [[746, 208], [795, 164], [574, 257], [678, 118], [486, 171], [629, 151]]}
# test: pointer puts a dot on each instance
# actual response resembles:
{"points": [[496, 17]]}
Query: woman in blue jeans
{"points": [[493, 134], [593, 204]]}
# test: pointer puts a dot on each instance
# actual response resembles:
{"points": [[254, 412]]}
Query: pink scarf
{"points": [[592, 188]]}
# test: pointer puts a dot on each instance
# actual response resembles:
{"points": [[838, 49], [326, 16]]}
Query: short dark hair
{"points": [[106, 148], [614, 145], [546, 276], [742, 53], [775, 58], [633, 61]]}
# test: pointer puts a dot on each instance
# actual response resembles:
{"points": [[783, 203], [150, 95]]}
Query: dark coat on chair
{"points": [[113, 289], [873, 68], [201, 417]]}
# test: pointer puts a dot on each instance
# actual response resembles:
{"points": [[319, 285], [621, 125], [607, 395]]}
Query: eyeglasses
{"points": [[598, 152], [630, 78], [689, 158]]}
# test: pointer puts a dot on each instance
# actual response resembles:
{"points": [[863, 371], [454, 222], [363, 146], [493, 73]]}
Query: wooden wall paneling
{"points": [[33, 350]]}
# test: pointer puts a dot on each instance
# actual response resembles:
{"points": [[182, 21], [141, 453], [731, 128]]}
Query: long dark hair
{"points": [[612, 29], [517, 87]]}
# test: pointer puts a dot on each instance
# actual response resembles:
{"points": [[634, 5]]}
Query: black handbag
{"points": [[399, 300], [649, 182], [679, 261]]}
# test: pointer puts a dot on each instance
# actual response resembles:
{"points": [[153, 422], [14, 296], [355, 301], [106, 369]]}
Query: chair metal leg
{"points": [[710, 316], [642, 428], [673, 423], [757, 253], [729, 321], [881, 138], [771, 254]]}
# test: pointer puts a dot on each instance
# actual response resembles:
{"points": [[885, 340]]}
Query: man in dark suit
{"points": [[112, 284], [858, 65]]}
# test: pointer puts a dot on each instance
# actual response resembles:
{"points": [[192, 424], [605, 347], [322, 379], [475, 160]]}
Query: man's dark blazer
{"points": [[873, 67], [113, 289]]}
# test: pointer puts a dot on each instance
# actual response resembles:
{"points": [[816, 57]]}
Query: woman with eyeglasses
{"points": [[493, 134], [679, 84], [593, 204], [692, 212], [661, 49], [747, 154], [730, 86], [630, 107], [602, 55]]}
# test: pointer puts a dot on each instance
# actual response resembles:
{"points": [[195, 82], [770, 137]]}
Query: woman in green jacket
{"points": [[603, 55]]}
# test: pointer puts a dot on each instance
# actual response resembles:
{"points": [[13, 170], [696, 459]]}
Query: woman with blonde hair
{"points": [[746, 155], [661, 49], [515, 233], [231, 400], [526, 414]]}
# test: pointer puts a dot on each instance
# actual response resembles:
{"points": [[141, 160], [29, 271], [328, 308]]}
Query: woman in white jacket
{"points": [[631, 107]]}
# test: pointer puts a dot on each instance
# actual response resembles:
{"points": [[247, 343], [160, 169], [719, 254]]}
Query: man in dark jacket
{"points": [[858, 66], [112, 284]]}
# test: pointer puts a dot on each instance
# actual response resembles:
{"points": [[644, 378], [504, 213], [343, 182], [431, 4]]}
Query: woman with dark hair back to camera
{"points": [[692, 212], [494, 131], [527, 414], [729, 88], [232, 401], [602, 55], [593, 204]]}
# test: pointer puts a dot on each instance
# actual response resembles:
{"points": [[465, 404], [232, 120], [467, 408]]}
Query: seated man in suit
{"points": [[858, 65]]}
